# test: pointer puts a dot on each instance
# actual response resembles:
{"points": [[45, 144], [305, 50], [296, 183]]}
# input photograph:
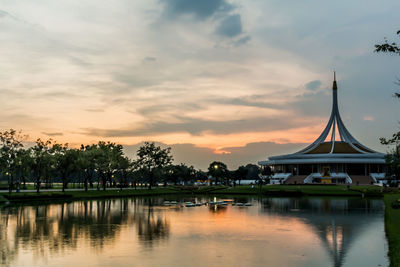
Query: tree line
{"points": [[103, 165]]}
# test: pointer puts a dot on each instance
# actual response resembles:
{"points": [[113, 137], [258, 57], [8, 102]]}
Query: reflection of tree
{"points": [[8, 250], [217, 208], [150, 227], [337, 222], [50, 229]]}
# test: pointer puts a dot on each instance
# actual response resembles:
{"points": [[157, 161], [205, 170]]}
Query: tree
{"points": [[240, 173], [24, 166], [217, 170], [266, 173], [124, 168], [391, 48], [86, 163], [201, 175], [11, 143], [151, 160], [393, 157], [171, 174], [252, 172], [66, 162], [108, 155], [42, 161]]}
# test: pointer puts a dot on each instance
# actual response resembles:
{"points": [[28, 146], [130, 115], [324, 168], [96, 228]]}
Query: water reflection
{"points": [[49, 229], [337, 222], [274, 231]]}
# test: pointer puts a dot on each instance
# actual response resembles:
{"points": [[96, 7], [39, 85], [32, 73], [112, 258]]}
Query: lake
{"points": [[146, 232]]}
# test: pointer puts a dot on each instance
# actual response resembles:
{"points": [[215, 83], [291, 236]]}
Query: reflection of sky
{"points": [[248, 78], [276, 232]]}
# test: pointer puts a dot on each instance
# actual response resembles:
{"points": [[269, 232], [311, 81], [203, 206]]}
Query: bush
{"points": [[396, 204]]}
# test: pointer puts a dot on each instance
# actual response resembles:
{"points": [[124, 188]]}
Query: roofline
{"points": [[323, 160], [328, 155]]}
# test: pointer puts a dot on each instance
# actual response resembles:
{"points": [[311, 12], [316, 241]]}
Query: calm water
{"points": [[143, 232]]}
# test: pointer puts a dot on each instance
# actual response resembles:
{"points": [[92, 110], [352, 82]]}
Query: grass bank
{"points": [[273, 190], [24, 197], [392, 227], [306, 190], [2, 200]]}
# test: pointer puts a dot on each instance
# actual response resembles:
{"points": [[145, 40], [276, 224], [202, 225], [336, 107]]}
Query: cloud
{"points": [[196, 126], [241, 41], [230, 26], [53, 134], [149, 59], [201, 9], [313, 85], [168, 108], [247, 103], [5, 14]]}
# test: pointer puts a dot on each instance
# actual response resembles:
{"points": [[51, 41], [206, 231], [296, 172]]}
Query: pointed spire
{"points": [[334, 87]]}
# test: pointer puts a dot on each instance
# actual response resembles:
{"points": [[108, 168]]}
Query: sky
{"points": [[228, 80]]}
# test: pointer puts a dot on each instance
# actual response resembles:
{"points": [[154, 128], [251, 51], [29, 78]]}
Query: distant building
{"points": [[334, 157]]}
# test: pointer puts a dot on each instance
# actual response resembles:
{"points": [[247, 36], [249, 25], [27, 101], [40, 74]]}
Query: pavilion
{"points": [[328, 160]]}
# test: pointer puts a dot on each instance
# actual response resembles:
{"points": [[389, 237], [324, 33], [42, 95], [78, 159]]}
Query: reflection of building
{"points": [[338, 223], [328, 160]]}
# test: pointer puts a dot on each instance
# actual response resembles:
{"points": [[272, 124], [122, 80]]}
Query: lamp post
{"points": [[215, 168], [9, 182]]}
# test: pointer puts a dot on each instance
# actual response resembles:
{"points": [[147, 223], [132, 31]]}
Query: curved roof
{"points": [[326, 149], [338, 148]]}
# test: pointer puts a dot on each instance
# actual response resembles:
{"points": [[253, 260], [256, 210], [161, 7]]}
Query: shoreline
{"points": [[275, 190]]}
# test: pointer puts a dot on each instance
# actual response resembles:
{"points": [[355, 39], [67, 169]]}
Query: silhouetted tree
{"points": [[24, 166], [42, 161], [240, 173], [10, 144], [66, 162], [151, 160], [217, 170], [108, 155]]}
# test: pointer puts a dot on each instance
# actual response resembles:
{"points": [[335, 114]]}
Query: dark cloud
{"points": [[230, 26], [247, 103], [5, 14], [313, 85], [149, 59], [201, 157], [52, 134], [241, 41], [132, 81], [57, 95], [201, 9], [196, 126], [164, 108]]}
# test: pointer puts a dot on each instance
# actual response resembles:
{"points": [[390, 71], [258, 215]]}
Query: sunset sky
{"points": [[228, 80]]}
